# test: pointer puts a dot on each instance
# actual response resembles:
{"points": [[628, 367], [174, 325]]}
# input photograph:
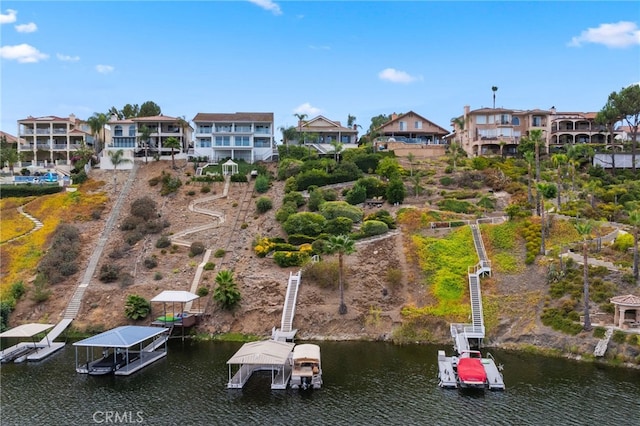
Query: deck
{"points": [[494, 377], [145, 358], [446, 373], [37, 353]]}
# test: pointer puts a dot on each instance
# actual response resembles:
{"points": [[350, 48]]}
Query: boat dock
{"points": [[494, 376], [265, 355], [25, 351], [446, 373]]}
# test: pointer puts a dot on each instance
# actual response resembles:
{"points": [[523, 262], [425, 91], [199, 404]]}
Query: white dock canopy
{"points": [[177, 296], [267, 352], [121, 337], [306, 351], [26, 330]]}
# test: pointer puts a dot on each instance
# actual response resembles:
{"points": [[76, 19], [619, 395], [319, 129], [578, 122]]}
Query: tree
{"points": [[117, 158], [388, 167], [608, 116], [627, 103], [130, 111], [351, 120], [149, 109], [529, 157], [226, 292], [172, 143], [288, 134], [9, 154], [301, 118], [634, 220], [145, 135], [377, 122], [584, 229], [396, 191], [83, 155], [455, 151], [494, 89], [337, 149], [114, 112], [416, 181], [343, 245], [558, 161], [541, 208], [97, 122], [411, 157], [184, 125], [460, 123]]}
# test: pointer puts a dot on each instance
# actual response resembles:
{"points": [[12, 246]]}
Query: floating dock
{"points": [[25, 351], [266, 355]]}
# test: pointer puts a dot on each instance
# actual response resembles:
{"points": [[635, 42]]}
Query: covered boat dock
{"points": [[124, 350], [266, 355], [23, 351], [174, 313]]}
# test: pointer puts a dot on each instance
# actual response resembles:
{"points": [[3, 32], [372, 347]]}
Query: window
{"points": [[223, 127], [515, 121], [243, 128], [505, 119], [537, 121], [117, 131], [263, 128], [223, 140], [403, 125], [241, 141], [132, 130], [417, 125], [204, 129], [204, 143], [481, 119]]}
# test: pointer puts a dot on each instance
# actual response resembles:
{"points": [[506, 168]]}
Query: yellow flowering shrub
{"points": [[306, 248], [264, 246]]}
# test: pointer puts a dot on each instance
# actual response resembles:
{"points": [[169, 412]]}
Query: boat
{"points": [[307, 367], [470, 371], [111, 362]]}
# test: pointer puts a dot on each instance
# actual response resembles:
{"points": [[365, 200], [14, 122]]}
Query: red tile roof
{"points": [[628, 299], [8, 137]]}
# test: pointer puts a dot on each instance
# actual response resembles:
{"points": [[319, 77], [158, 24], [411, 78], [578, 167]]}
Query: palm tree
{"points": [[529, 157], [288, 134], [536, 137], [351, 119], [97, 122], [343, 245], [226, 292], [558, 161], [461, 123], [540, 197], [184, 125], [494, 89], [416, 181], [172, 143], [454, 153], [117, 158], [301, 118], [337, 149], [584, 229], [411, 157], [634, 219], [145, 135]]}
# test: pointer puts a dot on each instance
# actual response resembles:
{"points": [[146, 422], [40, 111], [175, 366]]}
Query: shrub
{"points": [[163, 241], [144, 208], [262, 184], [297, 239], [306, 223], [40, 290], [131, 222], [623, 242], [119, 251], [202, 291], [126, 279], [209, 266], [338, 226], [294, 197], [191, 193], [239, 177], [6, 307], [136, 307], [382, 216], [315, 199], [133, 237], [17, 290], [393, 277], [109, 273], [151, 262], [324, 274], [447, 181], [264, 204], [226, 292], [157, 276], [334, 209], [219, 253], [263, 246], [619, 337], [285, 211], [205, 189], [374, 227], [285, 259], [196, 248], [357, 195], [396, 191]]}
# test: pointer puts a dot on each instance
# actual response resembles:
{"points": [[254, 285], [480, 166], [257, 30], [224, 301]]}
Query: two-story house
{"points": [[244, 136], [411, 128], [51, 140], [321, 130]]}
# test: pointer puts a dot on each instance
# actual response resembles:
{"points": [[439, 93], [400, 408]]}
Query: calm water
{"points": [[364, 383]]}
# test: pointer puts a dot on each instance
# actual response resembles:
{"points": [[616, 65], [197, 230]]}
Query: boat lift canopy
{"points": [[26, 330], [121, 337]]}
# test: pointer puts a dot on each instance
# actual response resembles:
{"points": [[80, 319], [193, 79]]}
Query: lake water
{"points": [[365, 383]]}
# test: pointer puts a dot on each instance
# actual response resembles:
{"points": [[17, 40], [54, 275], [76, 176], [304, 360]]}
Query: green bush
{"points": [[109, 273], [29, 190], [382, 216], [357, 195], [305, 223], [219, 253], [157, 276], [324, 274], [163, 242], [396, 191], [150, 262], [285, 259], [619, 337], [374, 227], [17, 290], [210, 266], [196, 248], [339, 225], [239, 177], [294, 197], [447, 181], [298, 239], [623, 242], [264, 204], [144, 208], [262, 184], [205, 189], [6, 307], [202, 291], [285, 211], [334, 209], [226, 292], [136, 307]]}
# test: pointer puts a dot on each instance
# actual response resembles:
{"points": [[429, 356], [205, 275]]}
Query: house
{"points": [[51, 140], [498, 131], [244, 136], [9, 138], [127, 135], [411, 133], [321, 130]]}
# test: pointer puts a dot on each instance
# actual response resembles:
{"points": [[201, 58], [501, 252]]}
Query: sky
{"points": [[329, 58]]}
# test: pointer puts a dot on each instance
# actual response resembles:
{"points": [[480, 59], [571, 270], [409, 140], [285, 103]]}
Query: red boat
{"points": [[470, 371]]}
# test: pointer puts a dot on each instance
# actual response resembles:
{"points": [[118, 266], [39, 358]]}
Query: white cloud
{"points": [[307, 108], [268, 5], [9, 17], [67, 58], [619, 35], [22, 53], [104, 69], [396, 76], [27, 28], [314, 47]]}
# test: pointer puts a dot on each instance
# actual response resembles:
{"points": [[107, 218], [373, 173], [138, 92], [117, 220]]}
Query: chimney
{"points": [[72, 118], [394, 116]]}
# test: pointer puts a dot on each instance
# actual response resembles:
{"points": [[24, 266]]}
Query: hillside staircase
{"points": [[286, 332]]}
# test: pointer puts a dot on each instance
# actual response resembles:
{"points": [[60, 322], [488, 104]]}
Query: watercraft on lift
{"points": [[469, 370], [307, 368]]}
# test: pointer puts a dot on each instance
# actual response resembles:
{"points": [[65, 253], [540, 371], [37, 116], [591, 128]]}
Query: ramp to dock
{"points": [[494, 377], [286, 331]]}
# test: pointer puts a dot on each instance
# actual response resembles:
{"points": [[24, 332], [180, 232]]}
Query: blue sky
{"points": [[362, 58]]}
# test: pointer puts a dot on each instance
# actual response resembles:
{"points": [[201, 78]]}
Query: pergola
{"points": [[229, 168], [627, 310]]}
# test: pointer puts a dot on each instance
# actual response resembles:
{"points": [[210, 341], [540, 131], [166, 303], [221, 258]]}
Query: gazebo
{"points": [[229, 168], [175, 317], [627, 311]]}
